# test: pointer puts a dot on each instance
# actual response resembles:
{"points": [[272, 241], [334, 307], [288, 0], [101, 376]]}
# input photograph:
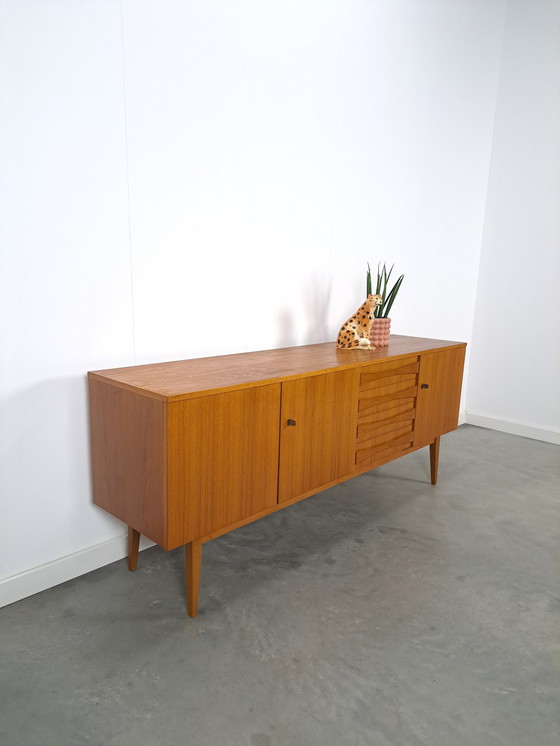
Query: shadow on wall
{"points": [[286, 332], [46, 433], [45, 475], [317, 302], [316, 310]]}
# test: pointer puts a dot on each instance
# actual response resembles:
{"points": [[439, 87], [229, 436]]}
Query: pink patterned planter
{"points": [[380, 330]]}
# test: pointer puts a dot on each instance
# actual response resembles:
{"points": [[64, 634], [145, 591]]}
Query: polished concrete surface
{"points": [[383, 611]]}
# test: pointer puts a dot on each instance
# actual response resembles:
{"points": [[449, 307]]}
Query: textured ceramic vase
{"points": [[380, 330]]}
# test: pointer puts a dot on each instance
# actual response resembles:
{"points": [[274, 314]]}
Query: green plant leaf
{"points": [[378, 286], [387, 297], [391, 297], [389, 275]]}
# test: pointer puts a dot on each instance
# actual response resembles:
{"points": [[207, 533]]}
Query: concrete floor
{"points": [[383, 611]]}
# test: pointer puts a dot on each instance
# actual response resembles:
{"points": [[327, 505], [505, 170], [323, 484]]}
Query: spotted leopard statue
{"points": [[355, 332]]}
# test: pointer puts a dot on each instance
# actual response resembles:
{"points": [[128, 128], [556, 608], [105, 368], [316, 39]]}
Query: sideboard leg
{"points": [[193, 562], [133, 544], [434, 459]]}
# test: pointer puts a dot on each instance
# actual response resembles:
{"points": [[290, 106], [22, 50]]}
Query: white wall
{"points": [[276, 147], [65, 300], [515, 359], [179, 161]]}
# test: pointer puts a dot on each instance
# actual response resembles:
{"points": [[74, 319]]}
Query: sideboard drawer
{"points": [[386, 410], [386, 374]]}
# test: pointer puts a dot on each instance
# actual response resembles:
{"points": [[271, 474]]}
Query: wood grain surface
{"points": [[183, 452], [222, 460], [128, 457], [319, 448], [437, 407], [185, 379]]}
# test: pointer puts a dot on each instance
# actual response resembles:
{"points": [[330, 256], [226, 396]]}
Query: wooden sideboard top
{"points": [[184, 379]]}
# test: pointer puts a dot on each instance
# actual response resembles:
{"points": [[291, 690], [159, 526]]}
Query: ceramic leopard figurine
{"points": [[355, 332]]}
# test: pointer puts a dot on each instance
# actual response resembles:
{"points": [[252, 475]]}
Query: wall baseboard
{"points": [[38, 579], [513, 428]]}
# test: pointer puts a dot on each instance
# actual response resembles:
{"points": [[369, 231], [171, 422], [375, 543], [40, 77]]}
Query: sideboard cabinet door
{"points": [[439, 394], [317, 431], [222, 460]]}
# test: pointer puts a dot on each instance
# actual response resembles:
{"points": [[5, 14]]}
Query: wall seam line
{"points": [[127, 171]]}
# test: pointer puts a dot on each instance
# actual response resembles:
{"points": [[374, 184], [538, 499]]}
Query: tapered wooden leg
{"points": [[133, 544], [434, 459], [193, 562]]}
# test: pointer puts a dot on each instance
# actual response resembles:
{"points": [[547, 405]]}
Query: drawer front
{"points": [[386, 410]]}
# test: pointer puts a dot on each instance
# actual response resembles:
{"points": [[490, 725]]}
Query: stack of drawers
{"points": [[386, 410]]}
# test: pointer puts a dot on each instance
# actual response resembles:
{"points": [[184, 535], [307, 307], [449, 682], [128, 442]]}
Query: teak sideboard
{"points": [[185, 451]]}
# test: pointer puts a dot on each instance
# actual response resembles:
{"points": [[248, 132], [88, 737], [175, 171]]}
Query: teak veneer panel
{"points": [[369, 430], [370, 458], [183, 379], [223, 457], [128, 457], [319, 447], [437, 410]]}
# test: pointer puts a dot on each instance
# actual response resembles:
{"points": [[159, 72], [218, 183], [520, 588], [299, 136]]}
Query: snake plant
{"points": [[382, 311]]}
